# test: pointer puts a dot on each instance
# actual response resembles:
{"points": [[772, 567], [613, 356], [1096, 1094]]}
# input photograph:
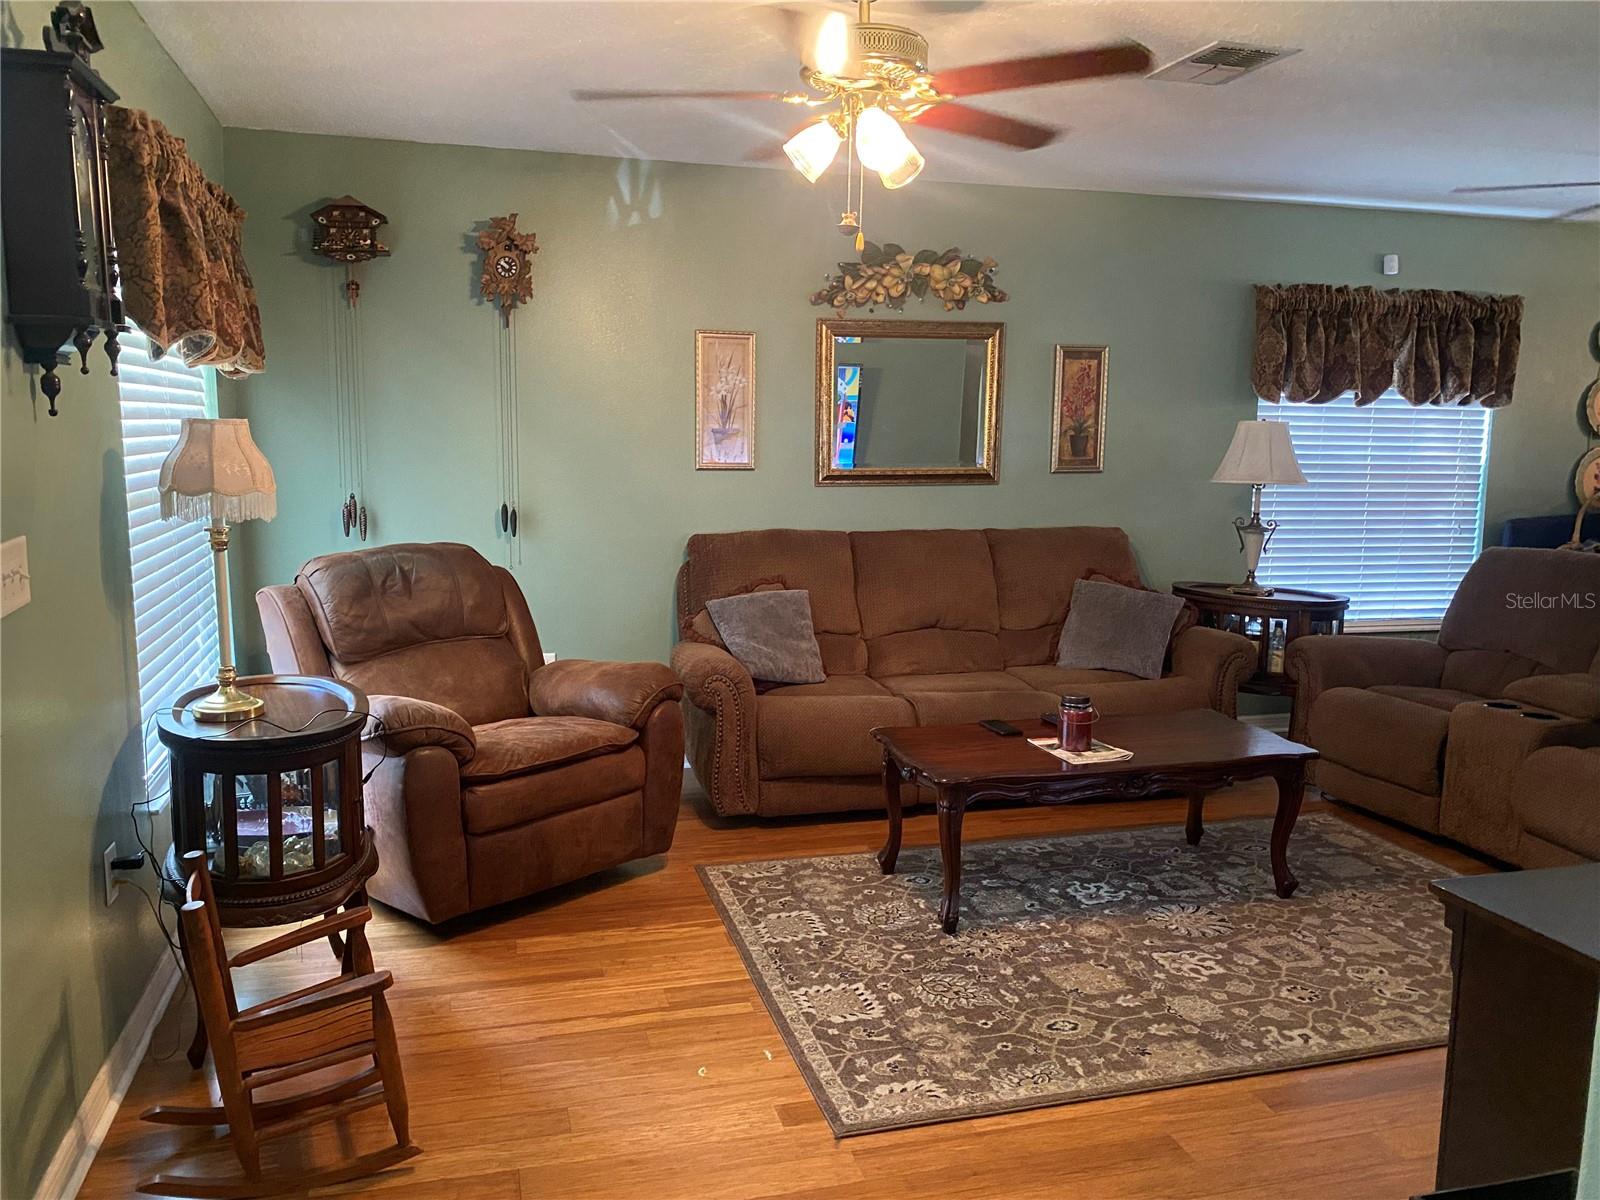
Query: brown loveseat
{"points": [[1433, 734], [496, 775], [916, 627]]}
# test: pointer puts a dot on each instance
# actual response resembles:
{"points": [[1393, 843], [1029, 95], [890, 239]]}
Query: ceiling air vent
{"points": [[1221, 62]]}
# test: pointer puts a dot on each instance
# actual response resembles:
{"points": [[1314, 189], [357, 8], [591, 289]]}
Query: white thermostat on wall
{"points": [[14, 591], [1391, 264]]}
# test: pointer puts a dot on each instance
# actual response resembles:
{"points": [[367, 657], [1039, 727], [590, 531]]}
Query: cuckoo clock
{"points": [[507, 263], [346, 231], [61, 260]]}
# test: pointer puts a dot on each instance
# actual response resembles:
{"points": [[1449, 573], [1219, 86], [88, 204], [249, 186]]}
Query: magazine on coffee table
{"points": [[1098, 752]]}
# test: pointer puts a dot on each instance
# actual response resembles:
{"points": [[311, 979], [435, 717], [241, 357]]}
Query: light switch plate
{"points": [[14, 591]]}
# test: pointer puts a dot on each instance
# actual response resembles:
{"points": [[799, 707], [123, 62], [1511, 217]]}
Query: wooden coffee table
{"points": [[1193, 753]]}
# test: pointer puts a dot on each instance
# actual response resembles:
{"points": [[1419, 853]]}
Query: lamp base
{"points": [[227, 703], [1249, 588]]}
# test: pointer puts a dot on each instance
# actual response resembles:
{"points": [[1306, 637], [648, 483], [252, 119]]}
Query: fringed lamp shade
{"points": [[216, 473]]}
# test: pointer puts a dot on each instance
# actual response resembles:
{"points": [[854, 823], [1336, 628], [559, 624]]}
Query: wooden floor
{"points": [[605, 1041]]}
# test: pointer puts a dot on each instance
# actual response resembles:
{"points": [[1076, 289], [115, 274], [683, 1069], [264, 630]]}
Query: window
{"points": [[174, 593], [1393, 512]]}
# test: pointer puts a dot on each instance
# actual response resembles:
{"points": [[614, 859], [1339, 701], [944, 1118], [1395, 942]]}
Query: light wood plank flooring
{"points": [[605, 1041]]}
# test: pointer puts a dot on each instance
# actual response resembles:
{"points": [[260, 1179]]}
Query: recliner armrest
{"points": [[1575, 695], [401, 724], [1218, 659], [620, 692], [1320, 662]]}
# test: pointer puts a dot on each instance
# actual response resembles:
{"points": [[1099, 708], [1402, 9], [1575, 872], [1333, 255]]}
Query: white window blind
{"points": [[1392, 514], [174, 594]]}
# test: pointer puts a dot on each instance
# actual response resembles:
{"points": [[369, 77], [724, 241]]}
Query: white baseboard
{"points": [[81, 1143], [1271, 722]]}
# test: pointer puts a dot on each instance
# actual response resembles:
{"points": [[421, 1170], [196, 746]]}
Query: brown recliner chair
{"points": [[497, 775], [1433, 733]]}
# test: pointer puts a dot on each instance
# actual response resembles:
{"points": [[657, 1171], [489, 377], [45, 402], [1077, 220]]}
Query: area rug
{"points": [[1087, 966]]}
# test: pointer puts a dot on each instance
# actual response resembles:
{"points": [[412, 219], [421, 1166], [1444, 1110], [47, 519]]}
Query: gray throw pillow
{"points": [[1114, 628], [770, 634]]}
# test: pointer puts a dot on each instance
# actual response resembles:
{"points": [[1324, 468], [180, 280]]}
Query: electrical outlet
{"points": [[108, 873]]}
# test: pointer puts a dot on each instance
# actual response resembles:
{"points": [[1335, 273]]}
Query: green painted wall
{"points": [[637, 255], [71, 969]]}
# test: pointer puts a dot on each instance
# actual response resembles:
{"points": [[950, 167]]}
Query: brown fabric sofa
{"points": [[916, 626], [1434, 734], [496, 775]]}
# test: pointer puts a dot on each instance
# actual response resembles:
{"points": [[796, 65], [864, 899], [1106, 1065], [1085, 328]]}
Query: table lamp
{"points": [[217, 474], [1261, 453]]}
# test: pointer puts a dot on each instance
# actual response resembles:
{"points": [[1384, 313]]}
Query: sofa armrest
{"points": [[1576, 695], [1319, 662], [1219, 660], [401, 724], [620, 692], [719, 725]]}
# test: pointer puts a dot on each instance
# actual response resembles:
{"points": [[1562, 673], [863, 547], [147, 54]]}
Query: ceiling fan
{"points": [[868, 80], [1539, 187]]}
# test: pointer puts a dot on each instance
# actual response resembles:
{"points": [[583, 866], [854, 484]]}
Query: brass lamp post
{"points": [[217, 474], [1261, 453]]}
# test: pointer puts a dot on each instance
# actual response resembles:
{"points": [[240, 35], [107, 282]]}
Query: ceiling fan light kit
{"points": [[875, 80]]}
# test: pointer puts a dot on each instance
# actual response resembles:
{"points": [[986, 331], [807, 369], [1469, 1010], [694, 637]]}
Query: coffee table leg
{"points": [[1194, 828], [951, 809], [1291, 789], [891, 801]]}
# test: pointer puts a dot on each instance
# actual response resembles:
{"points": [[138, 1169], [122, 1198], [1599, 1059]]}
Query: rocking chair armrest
{"points": [[325, 926], [337, 992]]}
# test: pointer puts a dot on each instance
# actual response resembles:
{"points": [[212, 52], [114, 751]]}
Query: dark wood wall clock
{"points": [[507, 281], [61, 259]]}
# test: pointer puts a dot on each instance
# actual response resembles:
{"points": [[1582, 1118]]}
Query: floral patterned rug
{"points": [[1087, 966]]}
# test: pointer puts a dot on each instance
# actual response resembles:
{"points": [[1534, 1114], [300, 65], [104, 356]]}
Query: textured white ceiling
{"points": [[1387, 105]]}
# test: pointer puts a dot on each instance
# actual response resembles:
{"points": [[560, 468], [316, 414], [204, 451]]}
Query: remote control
{"points": [[1001, 728]]}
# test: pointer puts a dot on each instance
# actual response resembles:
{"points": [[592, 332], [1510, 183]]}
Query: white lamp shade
{"points": [[905, 172], [216, 472], [881, 144], [1261, 452], [812, 149]]}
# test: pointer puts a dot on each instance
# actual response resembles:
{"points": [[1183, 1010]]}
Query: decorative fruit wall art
{"points": [[889, 275]]}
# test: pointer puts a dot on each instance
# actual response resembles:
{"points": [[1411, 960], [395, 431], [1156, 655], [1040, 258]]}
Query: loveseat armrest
{"points": [[1575, 695], [1318, 662], [401, 724], [624, 693], [1218, 660], [719, 717]]}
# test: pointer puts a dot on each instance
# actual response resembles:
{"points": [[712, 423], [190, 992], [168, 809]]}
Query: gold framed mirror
{"points": [[908, 401]]}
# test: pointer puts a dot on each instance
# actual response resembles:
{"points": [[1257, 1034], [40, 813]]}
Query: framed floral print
{"points": [[1078, 429], [724, 400]]}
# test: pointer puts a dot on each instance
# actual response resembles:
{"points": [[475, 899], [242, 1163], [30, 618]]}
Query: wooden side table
{"points": [[1286, 614], [273, 801]]}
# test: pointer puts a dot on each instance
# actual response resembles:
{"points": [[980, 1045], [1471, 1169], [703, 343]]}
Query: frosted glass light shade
{"points": [[216, 472], [906, 172], [1261, 452], [813, 149], [881, 144]]}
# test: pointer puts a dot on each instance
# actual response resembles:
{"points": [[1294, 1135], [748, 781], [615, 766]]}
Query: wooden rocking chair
{"points": [[340, 1020]]}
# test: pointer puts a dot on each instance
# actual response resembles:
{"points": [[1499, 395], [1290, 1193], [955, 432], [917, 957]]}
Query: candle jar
{"points": [[1078, 715]]}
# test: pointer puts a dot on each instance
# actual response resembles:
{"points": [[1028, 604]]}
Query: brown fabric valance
{"points": [[1314, 343], [179, 246]]}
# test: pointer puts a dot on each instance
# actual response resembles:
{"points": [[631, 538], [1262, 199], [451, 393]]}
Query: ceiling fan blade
{"points": [[1119, 58], [1576, 212], [593, 94], [988, 126], [1522, 187]]}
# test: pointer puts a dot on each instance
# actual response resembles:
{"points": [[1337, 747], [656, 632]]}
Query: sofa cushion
{"points": [[958, 708], [539, 743], [483, 679], [1384, 737], [1034, 571], [1445, 698], [1114, 627], [503, 803], [918, 620], [1514, 599], [1116, 693], [825, 728], [1484, 672], [770, 633], [699, 627], [1066, 679]]}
